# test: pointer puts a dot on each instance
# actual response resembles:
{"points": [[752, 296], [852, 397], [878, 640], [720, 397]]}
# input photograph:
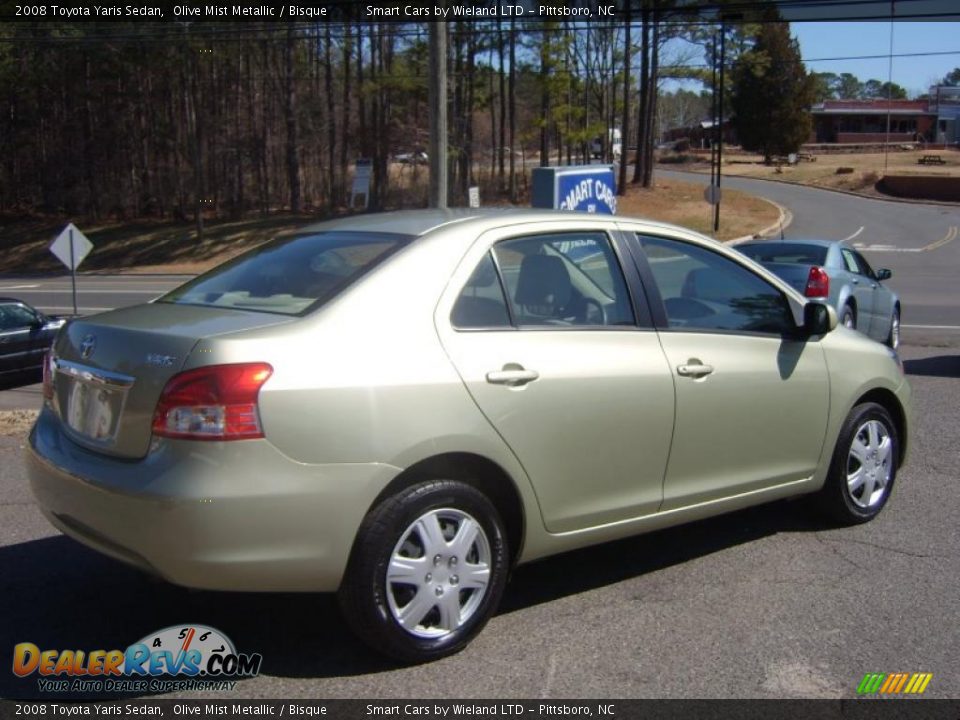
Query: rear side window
{"points": [[481, 303], [290, 276], [557, 280], [851, 262]]}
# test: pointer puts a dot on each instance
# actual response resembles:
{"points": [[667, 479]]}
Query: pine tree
{"points": [[772, 93]]}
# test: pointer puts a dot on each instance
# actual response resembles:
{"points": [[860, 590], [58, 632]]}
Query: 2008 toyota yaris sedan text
{"points": [[401, 407]]}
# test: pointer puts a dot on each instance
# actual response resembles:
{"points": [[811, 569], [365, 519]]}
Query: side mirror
{"points": [[884, 274], [818, 319]]}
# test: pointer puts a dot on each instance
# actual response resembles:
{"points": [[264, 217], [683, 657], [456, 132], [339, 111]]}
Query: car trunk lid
{"points": [[110, 369]]}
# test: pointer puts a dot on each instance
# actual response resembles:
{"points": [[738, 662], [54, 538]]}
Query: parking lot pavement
{"points": [[25, 397], [768, 602]]}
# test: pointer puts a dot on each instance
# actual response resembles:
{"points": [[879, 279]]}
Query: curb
{"points": [[782, 223], [885, 198]]}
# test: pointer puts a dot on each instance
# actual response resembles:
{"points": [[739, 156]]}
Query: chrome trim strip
{"points": [[91, 375]]}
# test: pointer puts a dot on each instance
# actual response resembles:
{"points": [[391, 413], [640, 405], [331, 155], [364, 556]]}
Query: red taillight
{"points": [[217, 402], [818, 283], [47, 376]]}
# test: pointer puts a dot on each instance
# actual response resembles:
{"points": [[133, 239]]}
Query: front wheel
{"points": [[427, 571], [893, 339], [863, 468]]}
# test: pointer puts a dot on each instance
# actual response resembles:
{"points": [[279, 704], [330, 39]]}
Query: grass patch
{"points": [[683, 204], [865, 169], [146, 246], [16, 423], [141, 246]]}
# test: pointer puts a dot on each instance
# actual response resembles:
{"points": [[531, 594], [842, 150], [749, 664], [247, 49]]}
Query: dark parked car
{"points": [[25, 335], [835, 273]]}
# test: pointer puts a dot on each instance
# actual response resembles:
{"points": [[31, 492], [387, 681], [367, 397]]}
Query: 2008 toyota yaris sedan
{"points": [[401, 407]]}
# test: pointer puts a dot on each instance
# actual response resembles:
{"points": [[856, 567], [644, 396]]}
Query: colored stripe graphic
{"points": [[870, 683], [894, 683]]}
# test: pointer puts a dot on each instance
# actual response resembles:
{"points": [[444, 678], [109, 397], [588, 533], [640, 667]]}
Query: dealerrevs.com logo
{"points": [[180, 657]]}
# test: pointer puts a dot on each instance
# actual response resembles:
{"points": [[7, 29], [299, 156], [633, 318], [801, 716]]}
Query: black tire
{"points": [[365, 595], [893, 339], [836, 499], [848, 318]]}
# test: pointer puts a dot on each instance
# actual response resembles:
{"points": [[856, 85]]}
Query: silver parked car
{"points": [[402, 407], [839, 274]]}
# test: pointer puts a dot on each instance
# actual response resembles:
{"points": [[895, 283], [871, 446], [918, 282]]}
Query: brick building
{"points": [[865, 121]]}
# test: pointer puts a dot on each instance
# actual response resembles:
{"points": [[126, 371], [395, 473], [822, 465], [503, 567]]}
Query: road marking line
{"points": [[18, 287], [936, 244], [949, 237], [851, 237], [89, 291], [931, 327], [885, 248]]}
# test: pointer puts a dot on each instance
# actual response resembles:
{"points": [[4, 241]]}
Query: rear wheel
{"points": [[893, 339], [427, 571], [863, 468]]}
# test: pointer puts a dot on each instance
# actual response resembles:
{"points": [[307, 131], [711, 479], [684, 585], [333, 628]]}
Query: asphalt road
{"points": [[917, 241], [768, 602], [95, 293]]}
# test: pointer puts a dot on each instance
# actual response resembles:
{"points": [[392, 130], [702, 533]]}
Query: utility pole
{"points": [[716, 208], [438, 114]]}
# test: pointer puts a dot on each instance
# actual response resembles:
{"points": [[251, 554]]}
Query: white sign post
{"points": [[361, 182], [71, 247]]}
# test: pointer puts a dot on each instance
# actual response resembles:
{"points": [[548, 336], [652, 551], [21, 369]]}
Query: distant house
{"points": [[865, 121], [946, 102], [935, 119], [703, 133]]}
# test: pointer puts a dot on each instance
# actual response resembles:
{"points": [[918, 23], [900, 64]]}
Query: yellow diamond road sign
{"points": [[71, 252]]}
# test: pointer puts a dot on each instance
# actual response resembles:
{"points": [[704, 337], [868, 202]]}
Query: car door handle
{"points": [[694, 370], [513, 376], [855, 281]]}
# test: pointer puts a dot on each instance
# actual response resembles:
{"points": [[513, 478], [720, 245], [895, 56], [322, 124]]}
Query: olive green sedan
{"points": [[402, 407]]}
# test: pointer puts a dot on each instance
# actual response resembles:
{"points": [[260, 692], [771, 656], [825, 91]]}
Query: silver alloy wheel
{"points": [[895, 331], [869, 464], [438, 573]]}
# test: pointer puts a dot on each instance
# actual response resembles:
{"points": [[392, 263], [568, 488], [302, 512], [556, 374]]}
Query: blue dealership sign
{"points": [[584, 188]]}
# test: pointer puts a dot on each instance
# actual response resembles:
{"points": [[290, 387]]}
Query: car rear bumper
{"points": [[219, 516]]}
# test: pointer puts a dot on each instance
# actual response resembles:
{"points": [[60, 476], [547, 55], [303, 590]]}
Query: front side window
{"points": [[703, 290], [864, 265], [290, 276]]}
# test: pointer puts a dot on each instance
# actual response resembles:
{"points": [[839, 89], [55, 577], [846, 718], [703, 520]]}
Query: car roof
{"points": [[816, 243], [12, 300], [421, 222]]}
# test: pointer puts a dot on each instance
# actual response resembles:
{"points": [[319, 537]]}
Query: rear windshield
{"points": [[785, 253], [290, 276]]}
